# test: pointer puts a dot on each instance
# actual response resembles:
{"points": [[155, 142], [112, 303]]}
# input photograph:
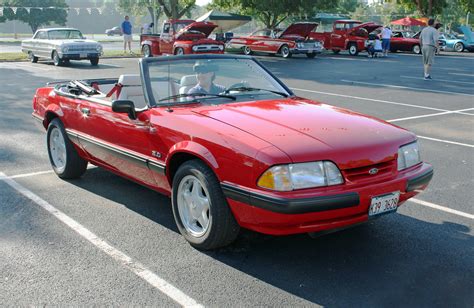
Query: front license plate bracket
{"points": [[383, 204]]}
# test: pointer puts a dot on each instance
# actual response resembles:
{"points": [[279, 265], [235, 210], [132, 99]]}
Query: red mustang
{"points": [[294, 40], [402, 41], [232, 146]]}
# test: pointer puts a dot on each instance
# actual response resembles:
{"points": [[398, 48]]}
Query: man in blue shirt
{"points": [[127, 35]]}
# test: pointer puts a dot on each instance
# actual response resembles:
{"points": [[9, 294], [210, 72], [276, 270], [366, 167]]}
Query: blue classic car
{"points": [[450, 42]]}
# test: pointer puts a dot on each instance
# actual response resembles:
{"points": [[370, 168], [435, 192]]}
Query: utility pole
{"points": [[467, 18]]}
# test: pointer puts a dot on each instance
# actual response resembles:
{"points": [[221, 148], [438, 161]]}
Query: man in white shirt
{"points": [[147, 28], [386, 36], [429, 44]]}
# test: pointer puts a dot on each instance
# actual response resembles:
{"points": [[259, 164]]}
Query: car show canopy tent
{"points": [[224, 21]]}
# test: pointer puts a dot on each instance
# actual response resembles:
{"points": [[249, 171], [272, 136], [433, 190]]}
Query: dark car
{"points": [[114, 31]]}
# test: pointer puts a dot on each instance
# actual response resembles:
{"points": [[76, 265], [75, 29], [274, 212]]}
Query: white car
{"points": [[61, 45]]}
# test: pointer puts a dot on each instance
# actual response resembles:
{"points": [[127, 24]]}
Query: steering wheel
{"points": [[241, 84]]}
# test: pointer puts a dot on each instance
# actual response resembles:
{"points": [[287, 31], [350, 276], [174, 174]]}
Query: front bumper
{"points": [[316, 50], [80, 56], [314, 211]]}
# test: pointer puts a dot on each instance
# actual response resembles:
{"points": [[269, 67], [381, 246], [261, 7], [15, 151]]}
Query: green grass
{"points": [[20, 56]]}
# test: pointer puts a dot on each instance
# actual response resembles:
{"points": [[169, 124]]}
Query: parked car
{"points": [[61, 45], [179, 37], [114, 31], [293, 40], [451, 42], [251, 155], [402, 41], [346, 34]]}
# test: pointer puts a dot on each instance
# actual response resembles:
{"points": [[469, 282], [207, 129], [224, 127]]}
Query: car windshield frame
{"points": [[145, 64]]}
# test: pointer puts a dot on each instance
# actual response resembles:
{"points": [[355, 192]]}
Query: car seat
{"points": [[131, 89], [187, 82]]}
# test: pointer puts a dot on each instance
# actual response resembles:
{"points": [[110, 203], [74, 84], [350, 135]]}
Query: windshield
{"points": [[210, 81], [180, 25], [65, 34]]}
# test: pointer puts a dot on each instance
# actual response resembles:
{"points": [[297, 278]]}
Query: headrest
{"points": [[188, 80], [130, 80]]}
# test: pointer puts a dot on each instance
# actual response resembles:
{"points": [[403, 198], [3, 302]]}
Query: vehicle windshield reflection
{"points": [[170, 81]]}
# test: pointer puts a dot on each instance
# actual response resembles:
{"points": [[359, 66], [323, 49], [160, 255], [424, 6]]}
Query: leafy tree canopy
{"points": [[272, 12], [36, 18], [425, 8]]}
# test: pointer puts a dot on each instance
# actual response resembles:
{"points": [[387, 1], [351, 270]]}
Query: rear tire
{"points": [[336, 51], [94, 61], [64, 159], [32, 57], [311, 55], [416, 49], [200, 209], [247, 50], [179, 51]]}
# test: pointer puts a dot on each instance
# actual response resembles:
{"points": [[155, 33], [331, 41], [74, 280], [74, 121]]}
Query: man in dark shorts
{"points": [[429, 44]]}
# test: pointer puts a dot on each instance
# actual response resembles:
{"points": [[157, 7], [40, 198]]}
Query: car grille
{"points": [[362, 174], [80, 48], [205, 48]]}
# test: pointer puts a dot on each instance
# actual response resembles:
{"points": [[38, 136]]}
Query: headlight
{"points": [[195, 48], [64, 49], [299, 176], [299, 45], [99, 48], [317, 44], [221, 47], [408, 155]]}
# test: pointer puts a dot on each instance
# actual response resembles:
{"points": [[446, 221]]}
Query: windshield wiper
{"points": [[248, 89], [201, 95]]}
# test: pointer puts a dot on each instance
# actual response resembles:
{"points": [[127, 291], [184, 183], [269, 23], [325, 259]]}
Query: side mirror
{"points": [[124, 106]]}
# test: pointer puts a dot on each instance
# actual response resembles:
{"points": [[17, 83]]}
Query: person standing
{"points": [[147, 28], [429, 44], [127, 35], [386, 36]]}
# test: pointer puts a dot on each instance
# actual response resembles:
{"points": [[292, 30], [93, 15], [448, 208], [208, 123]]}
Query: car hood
{"points": [[306, 130], [369, 26], [300, 29], [202, 26], [468, 35]]}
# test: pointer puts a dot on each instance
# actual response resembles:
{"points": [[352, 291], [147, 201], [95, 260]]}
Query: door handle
{"points": [[85, 111]]}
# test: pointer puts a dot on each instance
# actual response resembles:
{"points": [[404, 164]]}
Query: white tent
{"points": [[224, 21]]}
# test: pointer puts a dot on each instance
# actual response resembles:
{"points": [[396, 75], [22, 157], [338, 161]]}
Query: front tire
{"points": [[146, 51], [179, 51], [459, 47], [353, 51], [56, 59], [94, 61], [64, 159], [200, 209], [285, 51]]}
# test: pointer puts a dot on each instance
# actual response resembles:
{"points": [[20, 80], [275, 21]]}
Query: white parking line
{"points": [[137, 268], [434, 114], [403, 87], [370, 99], [441, 208], [447, 141], [442, 80], [462, 74]]}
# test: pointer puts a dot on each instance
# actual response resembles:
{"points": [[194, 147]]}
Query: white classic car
{"points": [[61, 45]]}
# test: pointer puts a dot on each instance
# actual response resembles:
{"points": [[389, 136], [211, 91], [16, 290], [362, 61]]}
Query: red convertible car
{"points": [[293, 40], [232, 146]]}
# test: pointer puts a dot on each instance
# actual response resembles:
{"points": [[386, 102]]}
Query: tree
{"points": [[273, 12], [347, 6], [173, 9], [425, 8], [53, 11]]}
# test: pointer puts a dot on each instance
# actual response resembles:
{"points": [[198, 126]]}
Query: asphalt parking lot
{"points": [[420, 256]]}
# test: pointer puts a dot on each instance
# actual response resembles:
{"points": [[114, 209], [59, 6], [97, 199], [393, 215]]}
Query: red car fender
{"points": [[186, 47], [193, 148]]}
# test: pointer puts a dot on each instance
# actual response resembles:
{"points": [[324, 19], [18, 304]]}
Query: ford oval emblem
{"points": [[373, 171]]}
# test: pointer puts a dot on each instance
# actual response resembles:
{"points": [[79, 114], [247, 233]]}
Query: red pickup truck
{"points": [[346, 35], [180, 37]]}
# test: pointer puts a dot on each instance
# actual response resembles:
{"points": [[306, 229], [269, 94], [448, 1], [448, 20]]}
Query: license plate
{"points": [[384, 204], [83, 55]]}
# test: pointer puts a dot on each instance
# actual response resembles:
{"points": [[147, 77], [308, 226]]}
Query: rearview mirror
{"points": [[124, 106]]}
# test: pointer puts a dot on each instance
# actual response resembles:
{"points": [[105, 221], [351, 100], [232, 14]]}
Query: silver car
{"points": [[61, 45]]}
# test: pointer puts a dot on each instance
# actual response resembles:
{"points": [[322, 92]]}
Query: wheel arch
{"points": [[51, 114], [185, 151]]}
